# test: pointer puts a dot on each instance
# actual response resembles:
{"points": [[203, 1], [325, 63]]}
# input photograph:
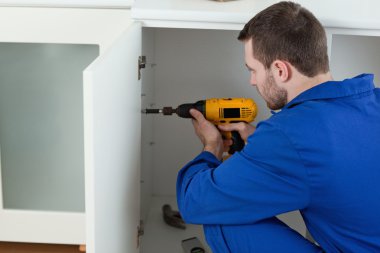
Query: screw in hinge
{"points": [[141, 64]]}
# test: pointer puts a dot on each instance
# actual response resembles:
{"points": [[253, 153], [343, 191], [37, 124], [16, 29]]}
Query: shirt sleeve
{"points": [[265, 179]]}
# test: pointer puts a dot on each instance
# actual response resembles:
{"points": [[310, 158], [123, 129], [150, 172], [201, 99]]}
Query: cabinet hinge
{"points": [[140, 232], [141, 64]]}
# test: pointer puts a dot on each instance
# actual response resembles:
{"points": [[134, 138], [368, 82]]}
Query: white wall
{"points": [[353, 55]]}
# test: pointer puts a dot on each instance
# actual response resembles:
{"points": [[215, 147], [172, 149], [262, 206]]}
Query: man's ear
{"points": [[281, 71]]}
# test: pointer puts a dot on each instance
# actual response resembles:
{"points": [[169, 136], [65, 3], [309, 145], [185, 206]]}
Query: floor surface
{"points": [[8, 247]]}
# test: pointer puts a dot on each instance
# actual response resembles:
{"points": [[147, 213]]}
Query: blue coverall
{"points": [[320, 154]]}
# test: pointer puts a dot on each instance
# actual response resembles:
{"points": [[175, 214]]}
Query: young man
{"points": [[319, 154]]}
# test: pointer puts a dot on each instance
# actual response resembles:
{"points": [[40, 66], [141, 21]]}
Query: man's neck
{"points": [[304, 83]]}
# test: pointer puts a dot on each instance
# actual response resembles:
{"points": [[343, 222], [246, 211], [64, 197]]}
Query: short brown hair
{"points": [[287, 31]]}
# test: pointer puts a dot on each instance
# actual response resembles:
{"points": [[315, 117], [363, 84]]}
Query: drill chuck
{"points": [[168, 111]]}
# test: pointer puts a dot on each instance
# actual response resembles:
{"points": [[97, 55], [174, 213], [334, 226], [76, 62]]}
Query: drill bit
{"points": [[164, 111], [150, 111]]}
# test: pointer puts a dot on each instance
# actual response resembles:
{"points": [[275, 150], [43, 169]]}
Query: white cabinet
{"points": [[67, 169], [99, 164]]}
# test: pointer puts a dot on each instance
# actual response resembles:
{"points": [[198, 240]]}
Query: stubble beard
{"points": [[276, 97]]}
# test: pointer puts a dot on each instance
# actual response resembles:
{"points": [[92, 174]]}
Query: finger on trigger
{"points": [[225, 127]]}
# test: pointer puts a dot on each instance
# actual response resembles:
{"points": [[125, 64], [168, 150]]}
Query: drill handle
{"points": [[237, 142]]}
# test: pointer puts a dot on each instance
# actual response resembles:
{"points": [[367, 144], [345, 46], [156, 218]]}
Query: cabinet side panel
{"points": [[147, 101], [112, 111]]}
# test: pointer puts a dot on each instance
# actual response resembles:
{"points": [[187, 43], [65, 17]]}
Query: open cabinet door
{"points": [[112, 127]]}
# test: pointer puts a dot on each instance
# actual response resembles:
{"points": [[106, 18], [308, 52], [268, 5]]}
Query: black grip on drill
{"points": [[184, 110], [237, 142]]}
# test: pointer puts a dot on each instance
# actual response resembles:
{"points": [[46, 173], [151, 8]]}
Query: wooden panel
{"points": [[7, 247]]}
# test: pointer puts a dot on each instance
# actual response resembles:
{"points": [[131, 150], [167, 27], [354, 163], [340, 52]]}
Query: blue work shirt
{"points": [[320, 154]]}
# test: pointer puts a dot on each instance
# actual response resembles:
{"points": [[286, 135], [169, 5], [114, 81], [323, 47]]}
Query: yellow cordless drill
{"points": [[218, 111]]}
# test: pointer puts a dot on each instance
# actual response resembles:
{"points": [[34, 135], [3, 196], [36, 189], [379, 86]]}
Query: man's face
{"points": [[274, 95]]}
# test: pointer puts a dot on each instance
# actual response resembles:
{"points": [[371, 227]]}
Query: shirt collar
{"points": [[334, 89]]}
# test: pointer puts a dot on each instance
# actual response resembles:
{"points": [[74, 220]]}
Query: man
{"points": [[319, 154]]}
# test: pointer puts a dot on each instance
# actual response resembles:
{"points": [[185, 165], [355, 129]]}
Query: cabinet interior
{"points": [[185, 65], [352, 55], [41, 125]]}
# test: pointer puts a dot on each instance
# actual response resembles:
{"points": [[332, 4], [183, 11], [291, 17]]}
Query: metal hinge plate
{"points": [[140, 232], [141, 64]]}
